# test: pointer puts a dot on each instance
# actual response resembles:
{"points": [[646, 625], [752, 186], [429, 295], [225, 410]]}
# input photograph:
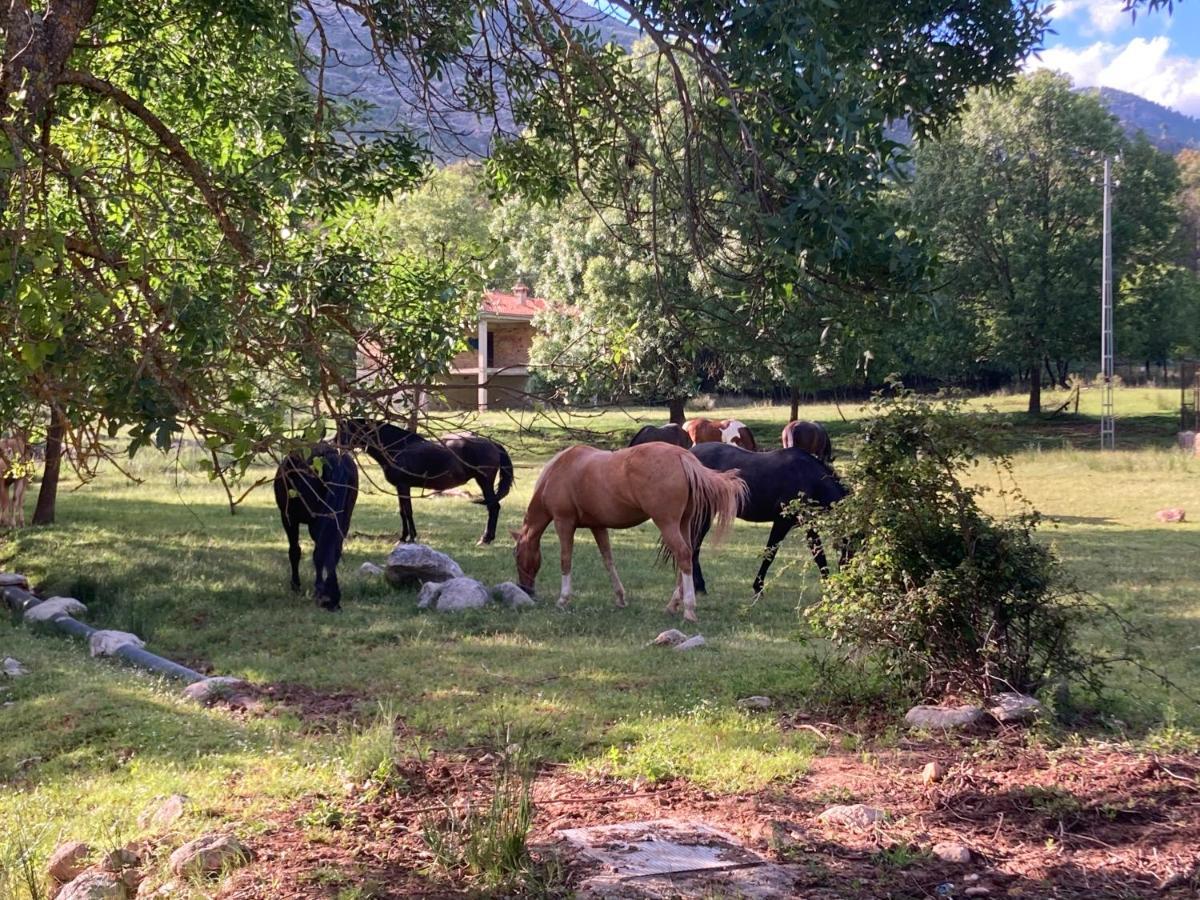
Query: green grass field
{"points": [[87, 744]]}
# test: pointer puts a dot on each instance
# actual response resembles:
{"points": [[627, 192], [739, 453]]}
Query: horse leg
{"points": [[292, 529], [566, 546], [493, 508], [681, 551], [407, 525], [698, 575], [818, 552], [19, 501], [779, 530], [601, 536], [4, 515]]}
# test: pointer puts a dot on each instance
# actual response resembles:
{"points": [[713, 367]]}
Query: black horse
{"points": [[409, 460], [774, 480], [317, 488], [666, 434]]}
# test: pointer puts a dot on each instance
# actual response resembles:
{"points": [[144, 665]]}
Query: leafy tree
{"points": [[1011, 195], [1189, 176]]}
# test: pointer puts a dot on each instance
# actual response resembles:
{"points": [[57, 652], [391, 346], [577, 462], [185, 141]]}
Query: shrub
{"points": [[952, 598]]}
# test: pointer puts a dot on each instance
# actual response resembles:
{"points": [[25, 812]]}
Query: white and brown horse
{"points": [[15, 465], [809, 436], [724, 431], [587, 488]]}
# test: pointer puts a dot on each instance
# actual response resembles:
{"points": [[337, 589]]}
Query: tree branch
{"points": [[174, 147]]}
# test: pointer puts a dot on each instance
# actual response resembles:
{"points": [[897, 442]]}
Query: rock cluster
{"points": [[411, 564]]}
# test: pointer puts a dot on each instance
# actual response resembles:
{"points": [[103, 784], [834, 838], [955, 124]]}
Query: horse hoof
{"points": [[690, 617], [330, 607], [484, 541]]}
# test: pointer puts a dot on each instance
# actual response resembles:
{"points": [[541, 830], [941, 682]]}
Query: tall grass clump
{"points": [[952, 599], [487, 842]]}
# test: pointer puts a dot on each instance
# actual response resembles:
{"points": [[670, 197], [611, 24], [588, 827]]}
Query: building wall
{"points": [[511, 345], [504, 392]]}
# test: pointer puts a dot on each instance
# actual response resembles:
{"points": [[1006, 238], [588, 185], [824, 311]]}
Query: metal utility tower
{"points": [[1108, 428]]}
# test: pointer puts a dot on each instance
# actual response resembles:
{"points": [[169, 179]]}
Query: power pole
{"points": [[1108, 427]]}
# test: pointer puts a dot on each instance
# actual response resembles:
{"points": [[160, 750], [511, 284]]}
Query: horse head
{"points": [[354, 433], [528, 554]]}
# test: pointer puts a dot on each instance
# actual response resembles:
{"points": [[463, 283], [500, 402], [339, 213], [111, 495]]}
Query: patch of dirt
{"points": [[317, 710], [1093, 821]]}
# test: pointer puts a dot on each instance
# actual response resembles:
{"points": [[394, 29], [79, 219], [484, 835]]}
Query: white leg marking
{"points": [[689, 598], [564, 596]]}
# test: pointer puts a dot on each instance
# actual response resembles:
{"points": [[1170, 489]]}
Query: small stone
{"points": [[943, 717], [855, 815], [120, 859], [972, 878], [952, 852], [12, 579], [216, 688], [692, 643], [168, 890], [107, 643], [68, 861], [412, 564], [370, 569], [755, 702], [13, 668], [209, 854], [512, 595], [165, 814], [94, 884], [933, 772], [1013, 707], [978, 891], [55, 608], [455, 595], [671, 636], [1171, 514]]}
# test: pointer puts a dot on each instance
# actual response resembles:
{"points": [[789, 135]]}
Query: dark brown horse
{"points": [[409, 460], [723, 431], [317, 488], [663, 434], [809, 436], [587, 488]]}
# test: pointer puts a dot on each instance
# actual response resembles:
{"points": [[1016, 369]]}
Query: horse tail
{"points": [[714, 497], [506, 474]]}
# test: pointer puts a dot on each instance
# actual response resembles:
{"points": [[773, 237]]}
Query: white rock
{"points": [[213, 688], [943, 717], [68, 861], [107, 643], [933, 772], [13, 668], [692, 643], [458, 594], [978, 891], [952, 852], [369, 568], [166, 813], [1013, 707], [55, 607], [512, 595], [94, 885], [755, 702], [671, 636], [410, 564], [856, 815], [12, 579], [429, 594], [209, 854]]}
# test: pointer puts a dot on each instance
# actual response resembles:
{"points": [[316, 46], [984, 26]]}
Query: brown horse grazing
{"points": [[15, 466], [598, 489], [665, 434], [809, 436], [725, 431]]}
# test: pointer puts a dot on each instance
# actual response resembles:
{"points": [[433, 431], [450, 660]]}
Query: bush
{"points": [[953, 599]]}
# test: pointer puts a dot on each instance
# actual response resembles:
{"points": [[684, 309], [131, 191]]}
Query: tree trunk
{"points": [[675, 405], [1035, 390], [795, 414], [47, 499]]}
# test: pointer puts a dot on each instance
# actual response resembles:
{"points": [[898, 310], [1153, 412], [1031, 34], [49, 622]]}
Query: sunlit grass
{"points": [[88, 745]]}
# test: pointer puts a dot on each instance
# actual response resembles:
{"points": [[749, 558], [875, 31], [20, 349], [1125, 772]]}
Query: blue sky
{"points": [[1158, 57]]}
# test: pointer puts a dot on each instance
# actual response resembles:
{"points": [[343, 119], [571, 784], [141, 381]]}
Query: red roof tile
{"points": [[518, 303]]}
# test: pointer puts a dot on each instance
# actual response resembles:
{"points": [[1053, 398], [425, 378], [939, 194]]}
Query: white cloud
{"points": [[1104, 16], [1142, 66]]}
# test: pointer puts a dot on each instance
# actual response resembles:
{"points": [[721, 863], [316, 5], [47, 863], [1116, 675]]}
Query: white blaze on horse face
{"points": [[731, 430], [564, 596]]}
